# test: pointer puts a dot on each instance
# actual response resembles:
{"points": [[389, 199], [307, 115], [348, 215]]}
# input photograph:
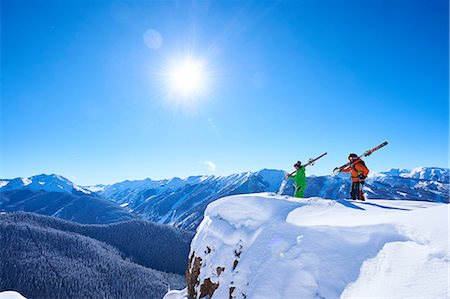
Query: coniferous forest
{"points": [[45, 257]]}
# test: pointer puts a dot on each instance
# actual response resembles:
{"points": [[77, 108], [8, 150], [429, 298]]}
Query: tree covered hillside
{"points": [[44, 257]]}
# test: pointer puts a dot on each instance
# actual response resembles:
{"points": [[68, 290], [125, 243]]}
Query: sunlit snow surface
{"points": [[318, 248], [11, 295]]}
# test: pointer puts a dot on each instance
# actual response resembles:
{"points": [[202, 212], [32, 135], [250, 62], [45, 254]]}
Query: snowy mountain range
{"points": [[181, 202], [54, 195], [266, 246]]}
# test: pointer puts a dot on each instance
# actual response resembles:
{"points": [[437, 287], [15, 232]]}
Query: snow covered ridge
{"points": [[181, 202], [263, 245], [44, 182]]}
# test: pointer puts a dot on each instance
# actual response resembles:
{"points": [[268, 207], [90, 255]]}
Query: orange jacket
{"points": [[357, 169]]}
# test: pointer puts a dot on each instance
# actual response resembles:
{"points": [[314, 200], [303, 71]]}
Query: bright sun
{"points": [[185, 81], [188, 78]]}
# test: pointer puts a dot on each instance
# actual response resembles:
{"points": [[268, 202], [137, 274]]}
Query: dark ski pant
{"points": [[356, 191]]}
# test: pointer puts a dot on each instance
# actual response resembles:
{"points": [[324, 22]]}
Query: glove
{"points": [[361, 177]]}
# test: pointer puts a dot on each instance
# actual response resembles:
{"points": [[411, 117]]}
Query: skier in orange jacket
{"points": [[359, 172]]}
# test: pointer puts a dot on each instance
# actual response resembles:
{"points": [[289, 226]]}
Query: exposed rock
{"points": [[235, 264], [231, 292], [192, 273], [207, 288], [238, 252]]}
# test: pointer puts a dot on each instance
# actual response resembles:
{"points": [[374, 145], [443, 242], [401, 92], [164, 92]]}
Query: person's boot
{"points": [[361, 196]]}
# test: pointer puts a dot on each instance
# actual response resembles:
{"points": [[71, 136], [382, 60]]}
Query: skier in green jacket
{"points": [[299, 177]]}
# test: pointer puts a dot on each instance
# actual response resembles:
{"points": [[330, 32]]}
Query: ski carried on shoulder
{"points": [[313, 160], [366, 153], [310, 162]]}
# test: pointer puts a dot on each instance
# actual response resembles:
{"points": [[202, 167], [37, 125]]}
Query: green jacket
{"points": [[299, 177]]}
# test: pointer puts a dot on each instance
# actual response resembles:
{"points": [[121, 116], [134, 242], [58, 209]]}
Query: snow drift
{"points": [[269, 246]]}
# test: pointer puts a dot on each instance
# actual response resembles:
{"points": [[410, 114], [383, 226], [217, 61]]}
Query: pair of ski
{"points": [[349, 164]]}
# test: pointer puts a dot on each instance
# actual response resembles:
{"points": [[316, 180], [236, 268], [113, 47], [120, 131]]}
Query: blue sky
{"points": [[83, 94]]}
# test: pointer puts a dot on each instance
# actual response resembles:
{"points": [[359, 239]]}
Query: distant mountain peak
{"points": [[25, 181], [4, 183], [44, 182]]}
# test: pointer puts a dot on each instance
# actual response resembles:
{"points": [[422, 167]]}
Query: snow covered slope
{"points": [[181, 202], [81, 208], [260, 246]]}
